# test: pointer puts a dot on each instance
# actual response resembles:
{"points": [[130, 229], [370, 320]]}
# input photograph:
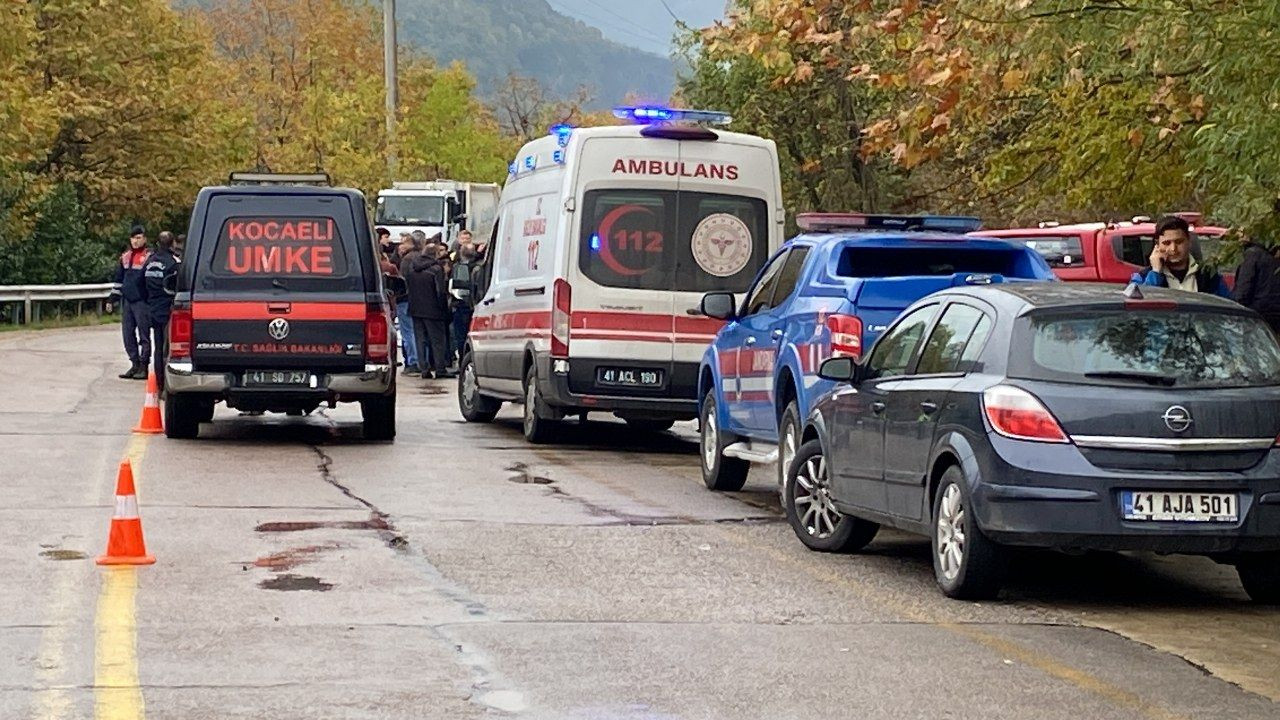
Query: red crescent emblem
{"points": [[606, 229]]}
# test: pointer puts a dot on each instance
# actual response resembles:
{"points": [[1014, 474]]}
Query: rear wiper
{"points": [[278, 284], [1149, 378]]}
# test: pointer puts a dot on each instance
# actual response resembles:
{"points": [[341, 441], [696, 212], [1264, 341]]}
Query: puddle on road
{"points": [[291, 558], [63, 555], [522, 475], [291, 583], [374, 523]]}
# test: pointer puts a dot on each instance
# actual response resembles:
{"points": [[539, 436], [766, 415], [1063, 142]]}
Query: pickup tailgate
{"points": [[277, 335]]}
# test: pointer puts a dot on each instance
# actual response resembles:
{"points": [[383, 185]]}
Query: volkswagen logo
{"points": [[1177, 418], [279, 329]]}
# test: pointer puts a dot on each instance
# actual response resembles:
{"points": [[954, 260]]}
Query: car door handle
{"points": [[489, 301], [777, 334], [877, 407], [929, 408], [696, 312], [750, 341]]}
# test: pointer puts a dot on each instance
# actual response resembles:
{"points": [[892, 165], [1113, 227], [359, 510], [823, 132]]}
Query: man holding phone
{"points": [[1173, 266]]}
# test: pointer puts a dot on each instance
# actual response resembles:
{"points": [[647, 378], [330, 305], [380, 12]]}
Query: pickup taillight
{"points": [[377, 335], [179, 334], [846, 335]]}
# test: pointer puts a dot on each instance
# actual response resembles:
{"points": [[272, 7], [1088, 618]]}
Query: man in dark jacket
{"points": [[1258, 283], [429, 307], [463, 307], [130, 292], [162, 265], [1173, 266]]}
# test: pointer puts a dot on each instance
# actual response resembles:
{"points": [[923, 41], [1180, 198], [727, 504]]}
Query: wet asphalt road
{"points": [[460, 573]]}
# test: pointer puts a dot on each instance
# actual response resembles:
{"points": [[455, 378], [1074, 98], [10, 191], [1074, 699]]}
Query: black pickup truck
{"points": [[280, 306]]}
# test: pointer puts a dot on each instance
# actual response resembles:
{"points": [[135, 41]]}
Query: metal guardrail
{"points": [[31, 295]]}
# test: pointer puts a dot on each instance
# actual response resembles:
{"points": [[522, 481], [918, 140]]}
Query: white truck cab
{"points": [[409, 206], [605, 242]]}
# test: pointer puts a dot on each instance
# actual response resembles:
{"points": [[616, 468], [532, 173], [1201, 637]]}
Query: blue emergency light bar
{"points": [[832, 222], [652, 115]]}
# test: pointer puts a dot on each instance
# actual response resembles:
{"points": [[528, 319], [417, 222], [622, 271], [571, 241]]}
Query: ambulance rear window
{"points": [[667, 240], [273, 246]]}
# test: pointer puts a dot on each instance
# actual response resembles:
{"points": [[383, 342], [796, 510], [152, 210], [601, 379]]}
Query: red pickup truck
{"points": [[1106, 252]]}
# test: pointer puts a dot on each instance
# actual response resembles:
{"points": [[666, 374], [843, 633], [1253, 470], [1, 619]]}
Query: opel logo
{"points": [[1177, 418], [279, 329]]}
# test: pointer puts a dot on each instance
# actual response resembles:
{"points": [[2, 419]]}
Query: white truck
{"points": [[438, 206]]}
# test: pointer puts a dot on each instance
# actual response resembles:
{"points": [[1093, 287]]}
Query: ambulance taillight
{"points": [[561, 314]]}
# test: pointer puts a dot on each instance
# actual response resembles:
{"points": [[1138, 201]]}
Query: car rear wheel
{"points": [[718, 472], [788, 443], [1260, 575], [182, 416], [475, 408], [966, 564], [379, 418], [811, 511], [537, 428]]}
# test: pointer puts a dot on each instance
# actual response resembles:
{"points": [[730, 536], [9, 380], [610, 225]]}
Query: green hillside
{"points": [[527, 37]]}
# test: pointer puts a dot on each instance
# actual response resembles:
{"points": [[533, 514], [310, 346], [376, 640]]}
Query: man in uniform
{"points": [[162, 265], [129, 291]]}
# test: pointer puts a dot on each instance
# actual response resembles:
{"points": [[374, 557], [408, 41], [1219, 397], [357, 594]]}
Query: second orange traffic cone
{"points": [[125, 545], [150, 423]]}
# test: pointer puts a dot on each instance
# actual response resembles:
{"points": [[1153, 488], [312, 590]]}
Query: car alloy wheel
{"points": [[812, 501], [787, 452], [530, 411], [950, 529], [470, 388], [710, 441]]}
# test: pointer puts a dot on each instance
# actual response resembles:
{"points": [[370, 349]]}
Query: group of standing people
{"points": [[145, 304], [433, 320]]}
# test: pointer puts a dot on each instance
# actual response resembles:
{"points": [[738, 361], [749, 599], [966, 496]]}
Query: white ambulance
{"points": [[606, 240]]}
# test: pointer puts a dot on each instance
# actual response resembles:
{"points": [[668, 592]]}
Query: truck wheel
{"points": [[966, 564], [788, 443], [810, 511], [182, 414], [653, 425], [537, 429], [1260, 575], [379, 418], [206, 411], [718, 472], [475, 407]]}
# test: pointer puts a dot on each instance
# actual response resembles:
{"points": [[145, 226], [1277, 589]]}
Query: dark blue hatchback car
{"points": [[1072, 417]]}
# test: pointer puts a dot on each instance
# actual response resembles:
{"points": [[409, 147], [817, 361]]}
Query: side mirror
{"points": [[840, 369], [719, 305], [170, 284], [395, 285], [460, 219]]}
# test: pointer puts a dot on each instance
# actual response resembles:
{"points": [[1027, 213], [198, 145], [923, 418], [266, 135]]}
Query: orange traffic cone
{"points": [[150, 423], [125, 545]]}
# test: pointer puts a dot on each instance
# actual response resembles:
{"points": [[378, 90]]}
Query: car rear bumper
{"points": [[374, 380], [556, 392], [1079, 507]]}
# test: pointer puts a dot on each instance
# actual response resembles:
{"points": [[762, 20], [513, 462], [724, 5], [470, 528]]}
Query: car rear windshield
{"points": [[1161, 348], [668, 240], [945, 259], [1058, 250]]}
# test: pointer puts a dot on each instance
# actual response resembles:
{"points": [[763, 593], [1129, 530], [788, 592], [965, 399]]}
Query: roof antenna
{"points": [[1133, 292]]}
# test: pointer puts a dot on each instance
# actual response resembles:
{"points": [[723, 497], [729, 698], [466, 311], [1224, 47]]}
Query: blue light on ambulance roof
{"points": [[562, 133], [595, 242], [652, 114], [512, 169], [558, 157], [531, 162]]}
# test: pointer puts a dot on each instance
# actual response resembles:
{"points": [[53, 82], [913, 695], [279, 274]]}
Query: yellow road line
{"points": [[117, 693]]}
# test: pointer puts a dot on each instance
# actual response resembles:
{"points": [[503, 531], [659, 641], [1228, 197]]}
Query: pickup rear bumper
{"points": [[374, 380]]}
